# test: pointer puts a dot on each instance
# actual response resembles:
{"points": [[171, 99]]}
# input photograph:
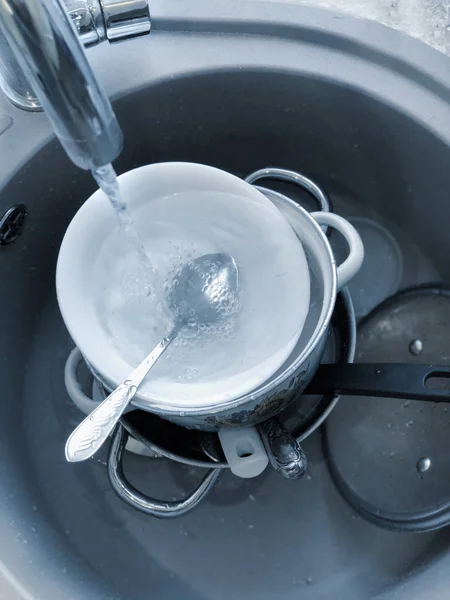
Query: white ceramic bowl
{"points": [[83, 241]]}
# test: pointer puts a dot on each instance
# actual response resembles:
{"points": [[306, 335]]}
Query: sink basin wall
{"points": [[358, 108]]}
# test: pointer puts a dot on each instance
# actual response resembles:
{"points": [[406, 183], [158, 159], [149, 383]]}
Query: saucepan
{"points": [[95, 220]]}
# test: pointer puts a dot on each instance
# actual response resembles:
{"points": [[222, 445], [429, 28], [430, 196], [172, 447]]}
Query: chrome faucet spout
{"points": [[45, 40]]}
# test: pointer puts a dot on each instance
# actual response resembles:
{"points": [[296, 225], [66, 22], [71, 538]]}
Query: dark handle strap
{"points": [[405, 381]]}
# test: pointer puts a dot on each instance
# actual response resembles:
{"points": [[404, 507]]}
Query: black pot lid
{"points": [[390, 458]]}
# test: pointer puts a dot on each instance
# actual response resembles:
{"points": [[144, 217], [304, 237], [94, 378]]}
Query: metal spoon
{"points": [[198, 293]]}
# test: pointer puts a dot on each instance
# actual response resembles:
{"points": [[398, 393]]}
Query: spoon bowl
{"points": [[204, 290]]}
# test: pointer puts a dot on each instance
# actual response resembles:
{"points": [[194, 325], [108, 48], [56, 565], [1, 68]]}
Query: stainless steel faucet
{"points": [[43, 65]]}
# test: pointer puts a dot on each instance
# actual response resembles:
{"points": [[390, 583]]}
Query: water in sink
{"points": [[132, 274]]}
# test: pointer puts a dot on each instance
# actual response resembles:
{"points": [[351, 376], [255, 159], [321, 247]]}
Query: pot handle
{"points": [[129, 494], [294, 178], [406, 381], [85, 403], [351, 265], [244, 451]]}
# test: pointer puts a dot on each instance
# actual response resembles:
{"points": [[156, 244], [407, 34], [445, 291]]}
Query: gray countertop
{"points": [[427, 20]]}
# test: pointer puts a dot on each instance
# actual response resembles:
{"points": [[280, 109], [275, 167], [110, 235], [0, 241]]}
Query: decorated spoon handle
{"points": [[285, 454], [95, 429]]}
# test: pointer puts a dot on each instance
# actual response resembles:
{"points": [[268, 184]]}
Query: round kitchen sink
{"points": [[358, 108]]}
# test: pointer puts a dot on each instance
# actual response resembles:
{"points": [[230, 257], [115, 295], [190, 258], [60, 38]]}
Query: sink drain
{"points": [[12, 224]]}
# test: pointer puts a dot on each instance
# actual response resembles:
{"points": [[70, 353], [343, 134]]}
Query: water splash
{"points": [[107, 181]]}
